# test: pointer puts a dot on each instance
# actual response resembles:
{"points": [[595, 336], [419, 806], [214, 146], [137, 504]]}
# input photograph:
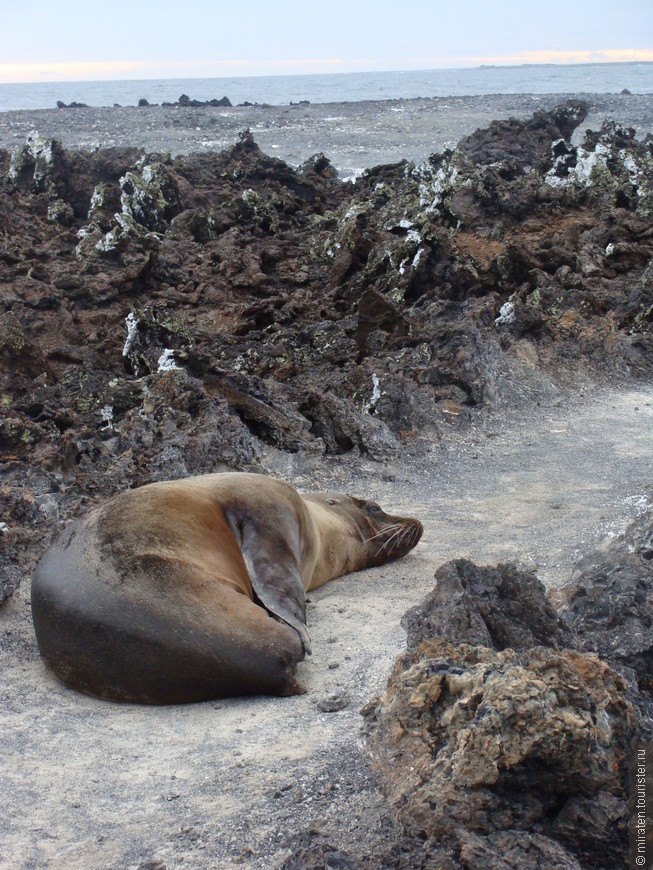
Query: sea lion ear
{"points": [[275, 576]]}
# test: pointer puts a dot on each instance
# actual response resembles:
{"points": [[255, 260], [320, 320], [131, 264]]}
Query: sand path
{"points": [[86, 784]]}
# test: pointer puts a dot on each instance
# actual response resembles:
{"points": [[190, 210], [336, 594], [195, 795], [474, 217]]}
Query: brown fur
{"points": [[194, 589]]}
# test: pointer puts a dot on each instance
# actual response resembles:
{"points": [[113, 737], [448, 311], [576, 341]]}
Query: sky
{"points": [[71, 40]]}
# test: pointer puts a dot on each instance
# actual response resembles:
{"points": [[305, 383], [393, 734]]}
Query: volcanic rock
{"points": [[320, 856], [524, 143], [609, 603], [309, 315], [499, 608], [500, 756], [185, 101]]}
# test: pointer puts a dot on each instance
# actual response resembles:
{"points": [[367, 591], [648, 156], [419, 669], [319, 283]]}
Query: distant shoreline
{"points": [[282, 90], [374, 72], [546, 65]]}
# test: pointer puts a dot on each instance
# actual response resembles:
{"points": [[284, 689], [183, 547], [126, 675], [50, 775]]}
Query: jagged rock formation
{"points": [[164, 317], [497, 756], [500, 608], [609, 604], [185, 101]]}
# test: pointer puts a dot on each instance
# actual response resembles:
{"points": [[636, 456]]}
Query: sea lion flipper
{"points": [[275, 576]]}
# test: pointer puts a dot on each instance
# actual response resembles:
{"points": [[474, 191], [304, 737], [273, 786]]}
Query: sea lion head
{"points": [[361, 532]]}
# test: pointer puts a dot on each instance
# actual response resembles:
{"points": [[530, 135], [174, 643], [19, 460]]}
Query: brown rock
{"points": [[494, 742], [500, 608]]}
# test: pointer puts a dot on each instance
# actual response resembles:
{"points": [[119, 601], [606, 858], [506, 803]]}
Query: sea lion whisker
{"points": [[384, 545], [395, 534], [382, 532], [378, 534], [410, 536], [391, 539], [403, 536]]}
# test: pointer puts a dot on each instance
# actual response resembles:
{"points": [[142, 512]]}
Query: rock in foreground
{"points": [[609, 606], [499, 608], [503, 757]]}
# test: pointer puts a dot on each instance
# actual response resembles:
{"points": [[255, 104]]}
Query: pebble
{"points": [[333, 702]]}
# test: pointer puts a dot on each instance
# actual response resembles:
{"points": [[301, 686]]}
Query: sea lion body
{"points": [[193, 589]]}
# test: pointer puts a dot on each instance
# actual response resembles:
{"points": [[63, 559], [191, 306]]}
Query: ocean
{"points": [[343, 87]]}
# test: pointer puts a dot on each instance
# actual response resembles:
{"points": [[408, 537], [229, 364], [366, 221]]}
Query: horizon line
{"points": [[83, 71]]}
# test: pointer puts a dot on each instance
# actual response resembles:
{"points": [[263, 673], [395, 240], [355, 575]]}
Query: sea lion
{"points": [[193, 589]]}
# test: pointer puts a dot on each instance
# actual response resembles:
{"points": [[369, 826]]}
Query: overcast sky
{"points": [[43, 40]]}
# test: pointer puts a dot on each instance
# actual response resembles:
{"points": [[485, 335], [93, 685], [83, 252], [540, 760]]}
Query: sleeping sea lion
{"points": [[193, 589]]}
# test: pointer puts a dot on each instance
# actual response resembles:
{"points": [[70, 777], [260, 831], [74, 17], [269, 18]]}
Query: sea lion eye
{"points": [[332, 501], [374, 508]]}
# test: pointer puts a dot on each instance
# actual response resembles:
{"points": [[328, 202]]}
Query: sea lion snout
{"points": [[396, 537], [400, 537], [375, 536]]}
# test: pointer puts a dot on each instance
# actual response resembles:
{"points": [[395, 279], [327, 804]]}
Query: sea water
{"points": [[590, 78]]}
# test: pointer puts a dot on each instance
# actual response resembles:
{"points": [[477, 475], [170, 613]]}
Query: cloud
{"points": [[55, 71], [608, 55], [70, 70]]}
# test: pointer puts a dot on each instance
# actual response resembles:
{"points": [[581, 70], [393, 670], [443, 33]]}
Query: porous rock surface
{"points": [[608, 603], [497, 756], [167, 317], [499, 608]]}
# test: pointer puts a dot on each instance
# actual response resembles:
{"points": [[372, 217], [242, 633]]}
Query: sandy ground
{"points": [[88, 784], [353, 135]]}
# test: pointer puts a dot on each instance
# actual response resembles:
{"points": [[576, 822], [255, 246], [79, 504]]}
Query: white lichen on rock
{"points": [[97, 198], [166, 362], [134, 195], [37, 150], [250, 197], [106, 412], [108, 242], [82, 232], [506, 314], [583, 172], [132, 334], [125, 222], [60, 212], [417, 258], [433, 185], [352, 212], [142, 197], [589, 162], [370, 405], [143, 204]]}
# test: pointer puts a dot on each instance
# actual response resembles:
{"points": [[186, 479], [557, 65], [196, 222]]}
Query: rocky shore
{"points": [[165, 316], [354, 136]]}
